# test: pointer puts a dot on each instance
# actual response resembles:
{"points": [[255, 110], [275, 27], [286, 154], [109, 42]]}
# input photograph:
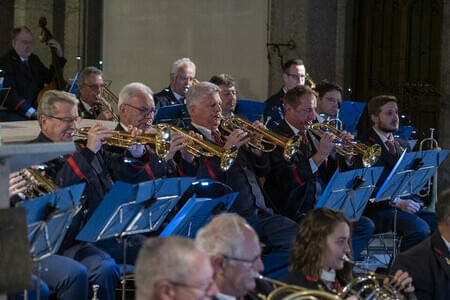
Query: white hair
{"points": [[159, 258], [182, 62], [196, 92], [130, 90], [47, 103], [223, 235]]}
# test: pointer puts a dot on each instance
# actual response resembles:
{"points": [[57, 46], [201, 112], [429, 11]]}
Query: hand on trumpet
{"points": [[347, 137], [137, 150], [102, 109], [178, 144], [185, 154], [401, 281], [96, 134], [17, 184], [236, 138]]}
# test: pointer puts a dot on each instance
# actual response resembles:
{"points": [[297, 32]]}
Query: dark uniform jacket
{"points": [[274, 110], [81, 166], [82, 112], [428, 263], [25, 82], [165, 97], [306, 281]]}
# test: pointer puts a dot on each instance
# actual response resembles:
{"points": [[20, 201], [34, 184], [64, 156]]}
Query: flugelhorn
{"points": [[161, 139], [262, 139], [370, 155], [199, 147], [288, 291], [37, 183]]}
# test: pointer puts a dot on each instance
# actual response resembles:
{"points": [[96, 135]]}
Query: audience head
{"points": [[182, 75], [203, 103], [227, 93], [330, 98], [294, 73], [91, 84], [58, 115], [235, 253], [173, 268], [136, 106], [321, 242], [22, 41], [383, 111], [299, 104]]}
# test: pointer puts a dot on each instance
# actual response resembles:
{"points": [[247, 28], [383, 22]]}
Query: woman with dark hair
{"points": [[317, 256]]}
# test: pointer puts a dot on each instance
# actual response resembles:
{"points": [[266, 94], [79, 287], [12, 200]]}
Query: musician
{"points": [[413, 223], [275, 231], [429, 262], [92, 104], [328, 101], [294, 74], [181, 78], [297, 185], [58, 117], [235, 253], [173, 268], [25, 74], [227, 93], [316, 259]]}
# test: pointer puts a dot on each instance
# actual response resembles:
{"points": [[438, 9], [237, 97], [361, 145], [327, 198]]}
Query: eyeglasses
{"points": [[67, 120], [96, 86], [249, 261], [143, 111], [185, 78], [205, 291], [295, 76]]}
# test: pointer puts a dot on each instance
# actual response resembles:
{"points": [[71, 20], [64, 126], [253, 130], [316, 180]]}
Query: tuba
{"points": [[370, 155], [37, 183], [162, 139], [262, 139], [287, 291], [198, 147]]}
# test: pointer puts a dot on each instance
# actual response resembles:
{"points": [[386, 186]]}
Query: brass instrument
{"points": [[262, 139], [95, 288], [288, 291], [104, 102], [335, 122], [198, 147], [162, 139], [431, 186], [37, 183], [370, 155], [309, 81]]}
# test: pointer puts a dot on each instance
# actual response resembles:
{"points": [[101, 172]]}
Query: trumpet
{"points": [[263, 139], [37, 183], [198, 147], [162, 139], [370, 155], [309, 81], [288, 291]]}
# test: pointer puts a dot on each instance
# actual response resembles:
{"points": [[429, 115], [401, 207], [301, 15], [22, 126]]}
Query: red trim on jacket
{"points": [[210, 170], [75, 168], [297, 178], [19, 104]]}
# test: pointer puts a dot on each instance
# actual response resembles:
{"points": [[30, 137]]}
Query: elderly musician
{"points": [[413, 223], [296, 185], [227, 93], [173, 268], [182, 76], [58, 118], [235, 253], [275, 231]]}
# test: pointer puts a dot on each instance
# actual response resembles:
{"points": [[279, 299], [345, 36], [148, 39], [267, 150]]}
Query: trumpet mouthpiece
{"points": [[347, 259]]}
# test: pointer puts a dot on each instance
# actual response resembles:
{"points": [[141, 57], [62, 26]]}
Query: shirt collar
{"points": [[383, 138], [319, 118], [204, 131], [178, 96], [124, 127], [447, 243], [294, 129], [221, 296], [86, 106]]}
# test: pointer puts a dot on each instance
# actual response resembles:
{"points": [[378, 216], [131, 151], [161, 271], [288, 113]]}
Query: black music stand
{"points": [[176, 114], [349, 191], [196, 213]]}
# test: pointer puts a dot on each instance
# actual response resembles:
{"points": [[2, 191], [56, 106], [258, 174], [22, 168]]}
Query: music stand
{"points": [[251, 110], [176, 114], [350, 112], [196, 213], [349, 191], [4, 92], [404, 132], [74, 88]]}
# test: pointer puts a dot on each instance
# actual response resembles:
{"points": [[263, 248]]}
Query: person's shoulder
{"points": [[275, 98], [163, 93]]}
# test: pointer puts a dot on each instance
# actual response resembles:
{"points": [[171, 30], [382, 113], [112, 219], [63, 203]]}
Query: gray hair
{"points": [[223, 235], [131, 89], [47, 103], [163, 258], [196, 92], [86, 72], [182, 62]]}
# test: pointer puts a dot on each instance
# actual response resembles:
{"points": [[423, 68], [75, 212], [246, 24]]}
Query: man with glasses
{"points": [[58, 119], [25, 74], [181, 79], [92, 105], [294, 74], [235, 254], [173, 268], [328, 100]]}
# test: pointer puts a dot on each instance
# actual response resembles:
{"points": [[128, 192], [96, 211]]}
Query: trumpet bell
{"points": [[371, 155], [291, 147]]}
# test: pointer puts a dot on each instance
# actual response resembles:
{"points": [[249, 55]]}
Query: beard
{"points": [[392, 128]]}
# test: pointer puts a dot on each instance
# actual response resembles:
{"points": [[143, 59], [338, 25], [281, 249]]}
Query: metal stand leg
{"points": [[124, 267]]}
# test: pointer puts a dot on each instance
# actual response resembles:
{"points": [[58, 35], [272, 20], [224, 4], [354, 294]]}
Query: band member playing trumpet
{"points": [[276, 232], [92, 104], [182, 77], [295, 186], [328, 101]]}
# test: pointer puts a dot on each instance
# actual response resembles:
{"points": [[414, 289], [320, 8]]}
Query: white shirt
{"points": [[384, 139]]}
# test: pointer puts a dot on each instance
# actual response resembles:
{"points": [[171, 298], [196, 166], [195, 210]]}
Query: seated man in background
{"points": [[428, 263], [173, 268], [227, 93], [181, 78], [235, 253], [413, 223], [328, 101], [295, 186]]}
